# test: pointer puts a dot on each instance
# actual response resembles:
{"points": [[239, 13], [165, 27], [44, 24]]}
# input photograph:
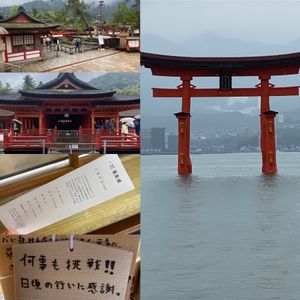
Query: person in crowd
{"points": [[137, 126], [77, 45], [124, 129]]}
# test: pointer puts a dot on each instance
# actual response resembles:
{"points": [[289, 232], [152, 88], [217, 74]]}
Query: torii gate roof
{"points": [[166, 65]]}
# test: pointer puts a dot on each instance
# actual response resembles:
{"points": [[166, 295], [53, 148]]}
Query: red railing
{"points": [[102, 139], [118, 142], [21, 142]]}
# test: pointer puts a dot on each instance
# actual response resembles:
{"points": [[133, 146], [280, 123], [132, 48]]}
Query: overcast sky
{"points": [[263, 21], [16, 79]]}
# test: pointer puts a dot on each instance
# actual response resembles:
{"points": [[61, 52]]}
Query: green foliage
{"points": [[13, 10], [5, 88], [78, 14], [78, 10], [28, 83], [124, 15], [122, 83], [129, 90], [35, 6]]}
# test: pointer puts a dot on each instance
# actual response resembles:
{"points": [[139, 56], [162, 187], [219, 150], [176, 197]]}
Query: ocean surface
{"points": [[225, 232]]}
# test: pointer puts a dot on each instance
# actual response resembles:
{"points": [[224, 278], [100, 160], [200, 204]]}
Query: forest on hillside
{"points": [[70, 13], [122, 83]]}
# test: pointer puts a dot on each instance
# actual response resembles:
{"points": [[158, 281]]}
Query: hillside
{"points": [[58, 5], [123, 83], [40, 6]]}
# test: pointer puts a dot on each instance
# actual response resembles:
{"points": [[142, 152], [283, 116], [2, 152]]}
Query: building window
{"points": [[23, 42]]}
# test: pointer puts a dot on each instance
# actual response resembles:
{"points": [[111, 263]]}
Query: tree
{"points": [[5, 89], [28, 83], [79, 8], [34, 12], [13, 10], [123, 15]]}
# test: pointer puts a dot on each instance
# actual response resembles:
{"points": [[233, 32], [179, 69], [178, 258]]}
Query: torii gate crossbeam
{"points": [[225, 68]]}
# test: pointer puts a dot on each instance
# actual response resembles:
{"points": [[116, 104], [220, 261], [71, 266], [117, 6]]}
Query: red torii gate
{"points": [[264, 67]]}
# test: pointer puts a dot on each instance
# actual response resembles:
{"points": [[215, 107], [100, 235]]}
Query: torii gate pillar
{"points": [[269, 165], [267, 129], [184, 161]]}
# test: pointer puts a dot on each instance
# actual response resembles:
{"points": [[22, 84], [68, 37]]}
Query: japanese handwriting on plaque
{"points": [[52, 271], [129, 243], [83, 188]]}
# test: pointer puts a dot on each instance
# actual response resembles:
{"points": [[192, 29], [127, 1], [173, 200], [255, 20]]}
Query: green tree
{"points": [[123, 15], [5, 88], [28, 83], [79, 8], [34, 12], [13, 10]]}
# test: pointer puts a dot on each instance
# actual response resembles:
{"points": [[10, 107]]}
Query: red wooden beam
{"points": [[236, 92], [284, 91], [178, 72]]}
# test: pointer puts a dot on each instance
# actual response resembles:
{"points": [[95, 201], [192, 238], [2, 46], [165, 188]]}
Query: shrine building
{"points": [[65, 103], [22, 41]]}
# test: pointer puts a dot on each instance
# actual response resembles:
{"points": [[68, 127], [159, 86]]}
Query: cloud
{"points": [[234, 100]]}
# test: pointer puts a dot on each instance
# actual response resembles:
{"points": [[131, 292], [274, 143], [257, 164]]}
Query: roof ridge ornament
{"points": [[21, 8]]}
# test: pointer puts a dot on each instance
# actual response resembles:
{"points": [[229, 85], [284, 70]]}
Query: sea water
{"points": [[225, 232]]}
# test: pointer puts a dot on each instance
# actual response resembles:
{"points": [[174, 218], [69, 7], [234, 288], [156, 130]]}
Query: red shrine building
{"points": [[23, 39], [68, 109]]}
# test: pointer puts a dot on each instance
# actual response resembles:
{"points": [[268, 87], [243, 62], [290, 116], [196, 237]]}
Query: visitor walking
{"points": [[48, 42], [77, 45]]}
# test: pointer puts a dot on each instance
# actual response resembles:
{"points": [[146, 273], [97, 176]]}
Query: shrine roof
{"points": [[66, 85], [22, 20], [119, 100], [18, 99], [150, 60], [67, 93], [66, 79]]}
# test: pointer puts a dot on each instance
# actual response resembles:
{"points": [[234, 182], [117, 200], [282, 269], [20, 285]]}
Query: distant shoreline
{"points": [[225, 152]]}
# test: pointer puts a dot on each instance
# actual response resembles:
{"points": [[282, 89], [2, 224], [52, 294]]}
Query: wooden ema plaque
{"points": [[120, 241], [70, 270]]}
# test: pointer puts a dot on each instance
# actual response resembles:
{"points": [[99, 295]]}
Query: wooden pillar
{"points": [[267, 129], [74, 160], [269, 164], [93, 120], [41, 119], [117, 129], [184, 163], [184, 129]]}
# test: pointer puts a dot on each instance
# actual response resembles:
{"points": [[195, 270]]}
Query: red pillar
{"points": [[117, 129], [93, 121], [41, 121], [267, 129], [184, 162], [184, 128], [269, 158]]}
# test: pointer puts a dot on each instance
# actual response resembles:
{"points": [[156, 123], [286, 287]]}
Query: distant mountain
{"points": [[58, 5], [204, 122], [214, 45], [40, 6], [123, 83]]}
